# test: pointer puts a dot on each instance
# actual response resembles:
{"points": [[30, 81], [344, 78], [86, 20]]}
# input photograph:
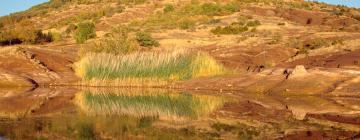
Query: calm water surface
{"points": [[118, 114]]}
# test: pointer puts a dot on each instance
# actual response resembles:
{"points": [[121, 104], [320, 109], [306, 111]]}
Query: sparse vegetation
{"points": [[85, 31], [187, 16], [242, 25]]}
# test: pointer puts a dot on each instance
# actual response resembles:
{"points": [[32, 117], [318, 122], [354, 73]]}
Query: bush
{"points": [[116, 42], [253, 23], [85, 31], [234, 28], [168, 8], [145, 40]]}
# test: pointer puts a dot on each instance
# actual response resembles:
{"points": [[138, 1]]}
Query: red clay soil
{"points": [[336, 60], [336, 118], [323, 135], [238, 57], [305, 17], [58, 62]]}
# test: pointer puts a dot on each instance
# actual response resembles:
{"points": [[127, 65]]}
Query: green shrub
{"points": [[215, 9], [234, 28], [168, 8], [253, 23], [85, 31], [116, 42], [145, 40]]}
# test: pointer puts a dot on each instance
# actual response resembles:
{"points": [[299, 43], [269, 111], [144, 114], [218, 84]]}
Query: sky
{"points": [[350, 3], [11, 6]]}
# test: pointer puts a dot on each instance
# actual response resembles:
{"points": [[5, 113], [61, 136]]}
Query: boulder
{"points": [[298, 71]]}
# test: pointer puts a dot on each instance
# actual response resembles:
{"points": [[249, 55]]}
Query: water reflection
{"points": [[95, 127], [148, 103], [120, 114]]}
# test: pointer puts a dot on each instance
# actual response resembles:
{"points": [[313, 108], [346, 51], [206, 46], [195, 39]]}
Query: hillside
{"points": [[279, 59]]}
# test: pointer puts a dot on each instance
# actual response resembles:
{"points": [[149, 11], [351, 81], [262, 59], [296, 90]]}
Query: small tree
{"points": [[85, 31]]}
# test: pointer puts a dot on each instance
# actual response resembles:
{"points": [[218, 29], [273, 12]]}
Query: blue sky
{"points": [[10, 6], [350, 3]]}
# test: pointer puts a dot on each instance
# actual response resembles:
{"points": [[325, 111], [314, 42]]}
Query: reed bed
{"points": [[146, 68], [148, 103]]}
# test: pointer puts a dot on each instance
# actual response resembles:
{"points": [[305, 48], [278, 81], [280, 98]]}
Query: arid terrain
{"points": [[296, 75]]}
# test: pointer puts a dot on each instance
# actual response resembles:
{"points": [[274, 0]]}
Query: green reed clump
{"points": [[138, 103], [158, 66]]}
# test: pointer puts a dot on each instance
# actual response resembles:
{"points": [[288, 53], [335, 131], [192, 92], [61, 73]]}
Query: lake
{"points": [[118, 113]]}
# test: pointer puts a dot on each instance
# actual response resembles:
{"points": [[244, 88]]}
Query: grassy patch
{"points": [[157, 66], [147, 103]]}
